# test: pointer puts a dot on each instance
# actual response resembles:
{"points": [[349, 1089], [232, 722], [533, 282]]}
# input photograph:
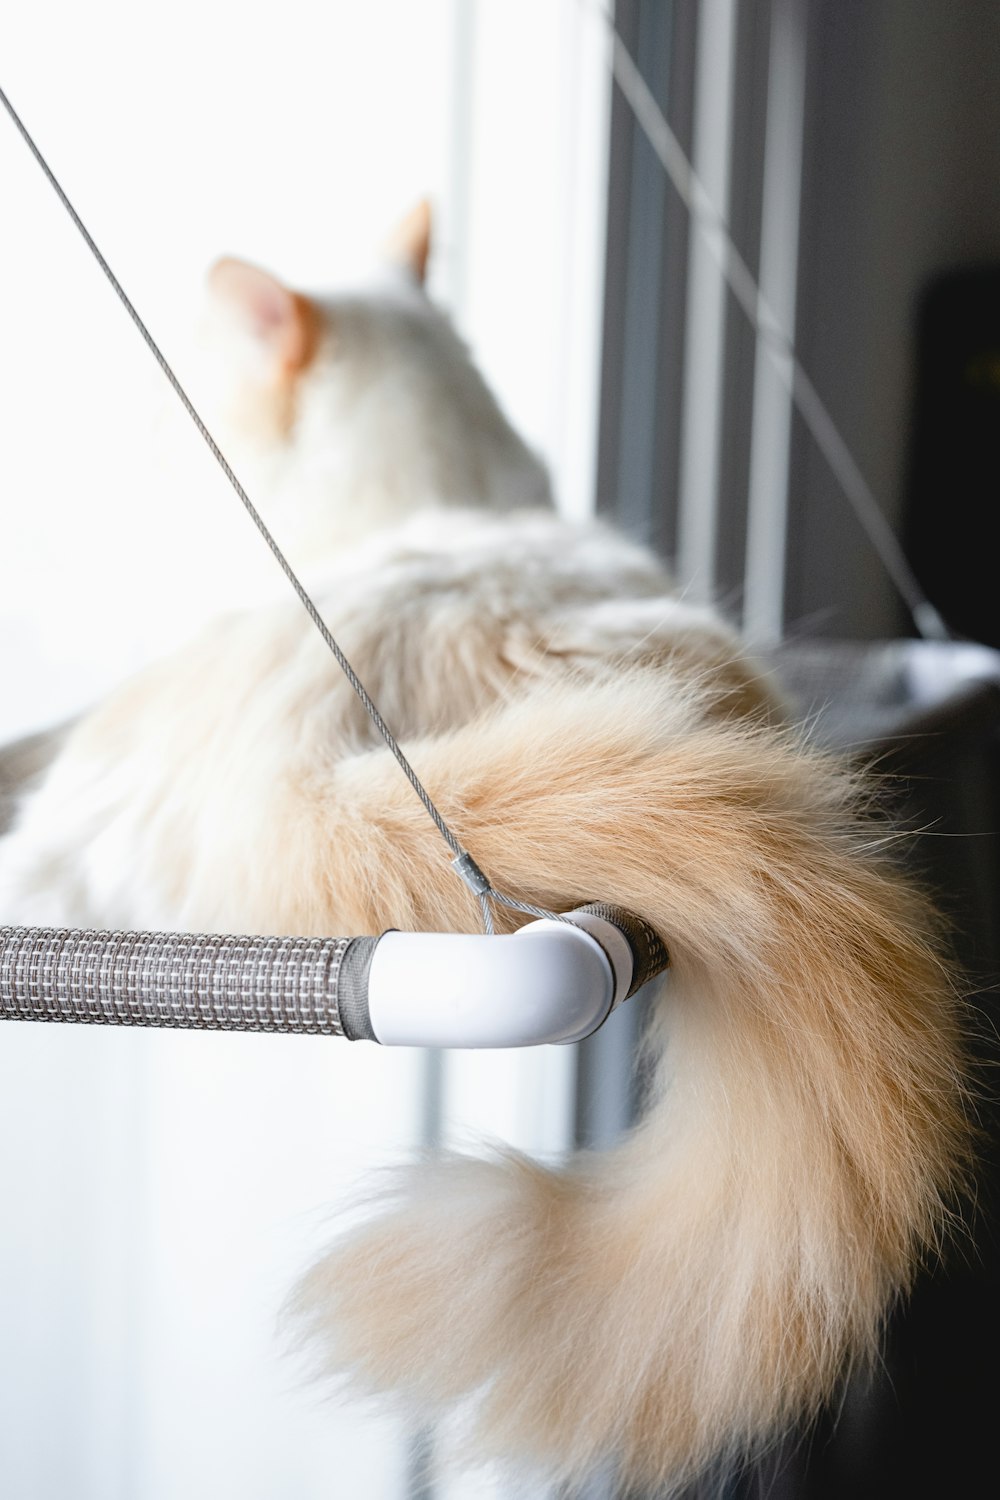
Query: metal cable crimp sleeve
{"points": [[205, 982]]}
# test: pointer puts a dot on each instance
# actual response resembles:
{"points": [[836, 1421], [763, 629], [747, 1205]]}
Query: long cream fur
{"points": [[681, 1298]]}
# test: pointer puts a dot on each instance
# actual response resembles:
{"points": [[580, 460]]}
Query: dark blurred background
{"points": [[853, 147]]}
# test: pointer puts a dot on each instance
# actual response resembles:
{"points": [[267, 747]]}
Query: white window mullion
{"points": [[701, 418], [767, 501]]}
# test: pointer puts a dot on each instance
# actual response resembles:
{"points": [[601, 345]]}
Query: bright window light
{"points": [[164, 1190]]}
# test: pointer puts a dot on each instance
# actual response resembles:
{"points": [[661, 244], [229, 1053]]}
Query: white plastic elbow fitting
{"points": [[551, 981]]}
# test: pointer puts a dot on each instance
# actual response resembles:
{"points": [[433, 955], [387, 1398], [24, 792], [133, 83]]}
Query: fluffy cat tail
{"points": [[683, 1297]]}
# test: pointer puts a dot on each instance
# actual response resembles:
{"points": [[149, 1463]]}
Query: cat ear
{"points": [[410, 242], [284, 321]]}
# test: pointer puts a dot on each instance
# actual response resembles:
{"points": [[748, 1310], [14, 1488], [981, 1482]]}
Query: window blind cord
{"points": [[462, 861]]}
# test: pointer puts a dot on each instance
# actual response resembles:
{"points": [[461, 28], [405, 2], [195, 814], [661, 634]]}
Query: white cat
{"points": [[687, 1295]]}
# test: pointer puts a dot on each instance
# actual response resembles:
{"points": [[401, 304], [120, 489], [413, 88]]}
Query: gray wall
{"points": [[902, 180]]}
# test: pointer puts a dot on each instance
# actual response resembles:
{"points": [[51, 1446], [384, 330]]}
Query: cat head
{"points": [[346, 413]]}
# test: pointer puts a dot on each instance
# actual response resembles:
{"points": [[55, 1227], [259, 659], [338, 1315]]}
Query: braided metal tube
{"points": [[299, 984], [649, 952]]}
